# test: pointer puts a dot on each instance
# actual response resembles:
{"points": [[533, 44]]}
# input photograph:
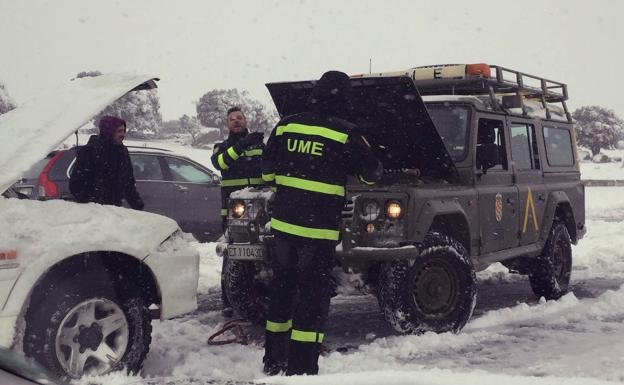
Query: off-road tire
{"points": [[406, 288], [51, 304], [246, 291], [550, 272]]}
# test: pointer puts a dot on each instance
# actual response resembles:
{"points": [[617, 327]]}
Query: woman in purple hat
{"points": [[103, 172]]}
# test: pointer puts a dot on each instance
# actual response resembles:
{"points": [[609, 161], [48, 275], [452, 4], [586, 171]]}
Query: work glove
{"points": [[251, 140]]}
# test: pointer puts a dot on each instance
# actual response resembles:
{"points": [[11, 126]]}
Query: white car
{"points": [[80, 283]]}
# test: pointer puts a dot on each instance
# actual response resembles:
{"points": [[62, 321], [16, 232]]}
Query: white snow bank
{"points": [[429, 377], [58, 228]]}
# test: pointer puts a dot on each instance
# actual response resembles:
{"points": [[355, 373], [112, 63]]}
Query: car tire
{"points": [[434, 292], [246, 287], [550, 272], [71, 316]]}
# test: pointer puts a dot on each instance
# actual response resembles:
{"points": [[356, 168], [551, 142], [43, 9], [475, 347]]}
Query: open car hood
{"points": [[392, 116], [37, 127]]}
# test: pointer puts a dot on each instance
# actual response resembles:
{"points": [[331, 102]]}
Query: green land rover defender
{"points": [[480, 166]]}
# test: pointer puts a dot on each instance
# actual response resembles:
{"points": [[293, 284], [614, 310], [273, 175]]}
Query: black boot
{"points": [[275, 352], [303, 358]]}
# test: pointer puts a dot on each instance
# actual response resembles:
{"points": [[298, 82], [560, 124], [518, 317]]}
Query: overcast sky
{"points": [[196, 46]]}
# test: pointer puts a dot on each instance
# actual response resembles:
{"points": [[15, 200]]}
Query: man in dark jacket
{"points": [[308, 157], [103, 171], [239, 160]]}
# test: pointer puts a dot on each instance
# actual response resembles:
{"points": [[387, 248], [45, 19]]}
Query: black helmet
{"points": [[331, 95]]}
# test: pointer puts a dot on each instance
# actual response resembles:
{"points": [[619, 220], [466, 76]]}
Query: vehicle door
{"points": [[156, 192], [529, 178], [197, 196], [497, 194]]}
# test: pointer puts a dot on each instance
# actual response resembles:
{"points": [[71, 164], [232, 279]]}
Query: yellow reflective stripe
{"points": [[256, 181], [325, 132], [224, 212], [278, 327], [274, 189], [302, 336], [254, 152], [222, 163], [310, 185], [306, 232], [365, 181], [232, 153], [234, 182], [268, 177]]}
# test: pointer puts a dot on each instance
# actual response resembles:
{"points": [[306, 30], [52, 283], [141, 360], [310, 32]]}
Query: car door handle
{"points": [[181, 188]]}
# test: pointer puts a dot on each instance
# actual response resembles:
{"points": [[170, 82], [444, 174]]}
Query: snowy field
{"points": [[513, 338]]}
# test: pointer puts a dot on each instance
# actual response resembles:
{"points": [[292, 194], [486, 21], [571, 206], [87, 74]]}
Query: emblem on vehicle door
{"points": [[498, 206]]}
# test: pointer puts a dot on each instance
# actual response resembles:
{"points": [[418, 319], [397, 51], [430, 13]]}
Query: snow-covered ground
{"points": [[513, 337]]}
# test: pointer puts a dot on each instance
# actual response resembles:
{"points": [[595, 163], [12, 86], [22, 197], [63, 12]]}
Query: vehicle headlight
{"points": [[370, 210], [238, 209], [393, 210]]}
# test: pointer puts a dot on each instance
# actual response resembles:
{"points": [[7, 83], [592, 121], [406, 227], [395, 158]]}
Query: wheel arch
{"points": [[559, 208], [123, 269], [444, 216]]}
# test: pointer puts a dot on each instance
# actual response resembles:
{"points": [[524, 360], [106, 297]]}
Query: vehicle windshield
{"points": [[452, 124]]}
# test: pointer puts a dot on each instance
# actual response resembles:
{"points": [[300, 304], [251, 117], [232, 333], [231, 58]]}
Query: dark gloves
{"points": [[251, 140]]}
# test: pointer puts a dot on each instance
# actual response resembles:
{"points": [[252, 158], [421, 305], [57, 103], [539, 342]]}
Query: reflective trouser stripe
{"points": [[303, 336], [221, 162], [325, 132], [232, 153], [278, 327], [306, 232], [254, 152], [224, 212], [268, 177], [310, 185], [241, 182]]}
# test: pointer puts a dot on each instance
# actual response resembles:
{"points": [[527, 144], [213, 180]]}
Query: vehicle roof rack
{"points": [[149, 148], [484, 79]]}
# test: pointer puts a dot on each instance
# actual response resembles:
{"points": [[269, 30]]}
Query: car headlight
{"points": [[393, 210], [238, 209], [370, 210]]}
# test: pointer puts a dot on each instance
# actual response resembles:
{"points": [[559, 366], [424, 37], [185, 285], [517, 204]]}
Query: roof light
{"points": [[478, 69]]}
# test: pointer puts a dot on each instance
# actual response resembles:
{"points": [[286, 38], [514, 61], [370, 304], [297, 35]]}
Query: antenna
{"points": [[370, 66]]}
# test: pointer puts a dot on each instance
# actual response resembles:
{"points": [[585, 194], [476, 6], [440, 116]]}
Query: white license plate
{"points": [[246, 252]]}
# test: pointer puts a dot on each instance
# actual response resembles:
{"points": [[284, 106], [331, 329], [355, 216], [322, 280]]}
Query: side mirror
{"points": [[487, 156]]}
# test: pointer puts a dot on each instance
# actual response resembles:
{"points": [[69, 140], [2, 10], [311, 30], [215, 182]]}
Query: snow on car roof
{"points": [[534, 108], [38, 126]]}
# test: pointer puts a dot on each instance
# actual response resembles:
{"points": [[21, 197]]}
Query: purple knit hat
{"points": [[109, 124]]}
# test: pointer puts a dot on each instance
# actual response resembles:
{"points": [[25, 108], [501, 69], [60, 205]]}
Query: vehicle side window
{"points": [[524, 147], [492, 131], [183, 171], [558, 143], [146, 167]]}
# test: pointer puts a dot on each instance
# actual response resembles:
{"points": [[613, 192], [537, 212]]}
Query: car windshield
{"points": [[452, 125]]}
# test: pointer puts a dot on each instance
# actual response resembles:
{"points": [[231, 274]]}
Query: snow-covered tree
{"points": [[6, 103], [191, 126], [212, 109], [140, 110], [598, 128]]}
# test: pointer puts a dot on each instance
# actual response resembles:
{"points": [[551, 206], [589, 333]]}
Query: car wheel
{"points": [[434, 292], [246, 287], [83, 326], [550, 272]]}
